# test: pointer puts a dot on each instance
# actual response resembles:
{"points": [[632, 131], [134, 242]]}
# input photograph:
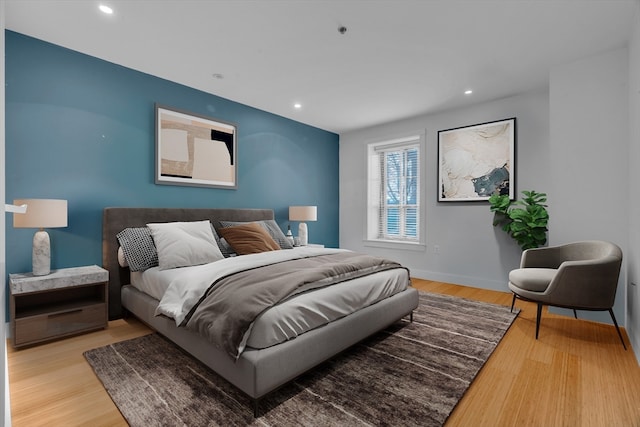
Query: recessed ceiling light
{"points": [[297, 106], [217, 76], [468, 92], [106, 9]]}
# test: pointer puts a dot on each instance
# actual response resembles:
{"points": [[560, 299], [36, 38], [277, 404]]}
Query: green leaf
{"points": [[524, 220]]}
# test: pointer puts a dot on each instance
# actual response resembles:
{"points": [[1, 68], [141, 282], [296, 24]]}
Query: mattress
{"points": [[293, 316]]}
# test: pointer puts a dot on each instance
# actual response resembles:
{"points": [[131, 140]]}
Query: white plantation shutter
{"points": [[394, 189]]}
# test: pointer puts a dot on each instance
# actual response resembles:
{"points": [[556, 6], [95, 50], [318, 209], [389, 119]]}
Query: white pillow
{"points": [[121, 259], [183, 244]]}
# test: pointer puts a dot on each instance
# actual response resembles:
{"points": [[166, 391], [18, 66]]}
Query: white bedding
{"points": [[179, 289]]}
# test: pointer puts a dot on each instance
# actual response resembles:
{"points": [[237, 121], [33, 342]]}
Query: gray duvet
{"points": [[227, 310]]}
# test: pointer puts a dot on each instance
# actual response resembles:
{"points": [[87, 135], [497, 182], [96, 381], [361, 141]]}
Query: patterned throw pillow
{"points": [[268, 224], [138, 247], [225, 248]]}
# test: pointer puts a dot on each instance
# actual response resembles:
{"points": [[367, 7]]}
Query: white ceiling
{"points": [[397, 58]]}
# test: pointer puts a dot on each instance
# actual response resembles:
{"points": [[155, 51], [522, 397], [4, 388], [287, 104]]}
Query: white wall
{"points": [[572, 144], [472, 252], [5, 411], [633, 252], [589, 107]]}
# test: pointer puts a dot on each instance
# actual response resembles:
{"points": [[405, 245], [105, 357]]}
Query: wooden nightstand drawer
{"points": [[64, 321]]}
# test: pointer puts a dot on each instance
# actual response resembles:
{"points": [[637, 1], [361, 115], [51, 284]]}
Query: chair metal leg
{"points": [[513, 301], [575, 314], [617, 328], [539, 314]]}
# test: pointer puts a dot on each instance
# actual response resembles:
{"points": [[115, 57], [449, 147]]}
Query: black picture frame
{"points": [[476, 161]]}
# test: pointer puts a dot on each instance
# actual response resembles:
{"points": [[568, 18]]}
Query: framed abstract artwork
{"points": [[194, 150], [477, 161]]}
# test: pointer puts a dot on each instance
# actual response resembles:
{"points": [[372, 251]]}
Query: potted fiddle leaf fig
{"points": [[525, 220]]}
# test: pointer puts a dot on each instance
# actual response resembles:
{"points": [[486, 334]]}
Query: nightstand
{"points": [[66, 302]]}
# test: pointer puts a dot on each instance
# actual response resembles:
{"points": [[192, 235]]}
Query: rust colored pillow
{"points": [[249, 239]]}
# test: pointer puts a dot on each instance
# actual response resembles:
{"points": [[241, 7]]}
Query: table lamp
{"points": [[302, 214], [41, 213]]}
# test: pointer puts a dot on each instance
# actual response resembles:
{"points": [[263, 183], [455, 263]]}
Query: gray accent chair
{"points": [[580, 276]]}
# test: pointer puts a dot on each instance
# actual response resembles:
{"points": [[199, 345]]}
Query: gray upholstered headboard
{"points": [[115, 220]]}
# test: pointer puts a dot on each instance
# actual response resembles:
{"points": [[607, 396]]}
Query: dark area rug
{"points": [[409, 374]]}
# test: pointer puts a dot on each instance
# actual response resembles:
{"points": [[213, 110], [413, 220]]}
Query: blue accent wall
{"points": [[82, 129]]}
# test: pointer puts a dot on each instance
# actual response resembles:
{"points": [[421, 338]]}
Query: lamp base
{"points": [[41, 256], [303, 235]]}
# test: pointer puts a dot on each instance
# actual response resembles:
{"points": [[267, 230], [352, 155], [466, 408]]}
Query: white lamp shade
{"points": [[41, 213], [303, 213]]}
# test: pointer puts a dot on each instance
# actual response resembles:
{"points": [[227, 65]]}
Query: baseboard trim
{"points": [[474, 282]]}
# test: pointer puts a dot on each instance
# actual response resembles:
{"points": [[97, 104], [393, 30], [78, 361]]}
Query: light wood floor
{"points": [[576, 374]]}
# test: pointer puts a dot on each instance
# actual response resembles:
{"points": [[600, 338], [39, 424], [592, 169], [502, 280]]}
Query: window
{"points": [[394, 190]]}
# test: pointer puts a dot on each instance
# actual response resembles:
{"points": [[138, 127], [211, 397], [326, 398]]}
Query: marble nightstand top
{"points": [[63, 278]]}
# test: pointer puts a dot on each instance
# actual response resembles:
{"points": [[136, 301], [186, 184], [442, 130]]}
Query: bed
{"points": [[255, 371]]}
